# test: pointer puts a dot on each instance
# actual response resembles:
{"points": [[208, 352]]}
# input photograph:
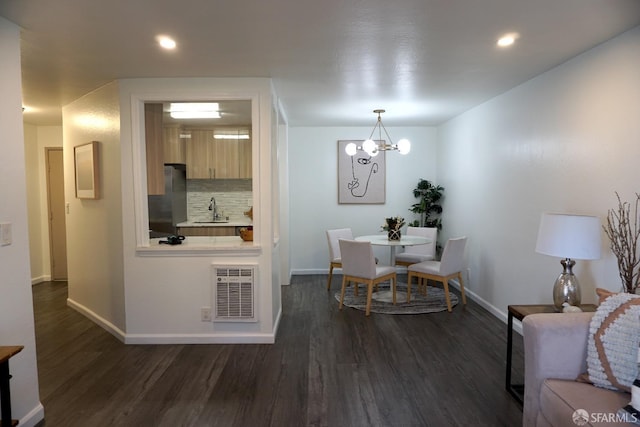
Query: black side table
{"points": [[6, 353], [519, 312]]}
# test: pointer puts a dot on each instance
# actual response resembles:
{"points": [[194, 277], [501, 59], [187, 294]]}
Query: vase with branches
{"points": [[623, 231]]}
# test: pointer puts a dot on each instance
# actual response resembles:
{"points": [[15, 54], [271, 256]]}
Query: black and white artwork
{"points": [[361, 177]]}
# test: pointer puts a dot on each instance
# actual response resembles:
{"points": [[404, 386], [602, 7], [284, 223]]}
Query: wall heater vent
{"points": [[234, 293]]}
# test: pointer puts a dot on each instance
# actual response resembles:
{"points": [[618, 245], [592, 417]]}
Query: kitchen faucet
{"points": [[213, 206]]}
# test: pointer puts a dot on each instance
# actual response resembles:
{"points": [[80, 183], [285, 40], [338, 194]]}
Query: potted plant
{"points": [[623, 231], [427, 207], [393, 227]]}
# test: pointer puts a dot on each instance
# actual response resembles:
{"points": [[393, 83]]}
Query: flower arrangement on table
{"points": [[392, 226]]}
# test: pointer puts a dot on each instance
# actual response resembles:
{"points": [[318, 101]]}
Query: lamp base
{"points": [[566, 289]]}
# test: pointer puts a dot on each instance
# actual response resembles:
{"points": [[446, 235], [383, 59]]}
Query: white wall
{"points": [[564, 141], [313, 191], [36, 139], [94, 227], [16, 306], [34, 207]]}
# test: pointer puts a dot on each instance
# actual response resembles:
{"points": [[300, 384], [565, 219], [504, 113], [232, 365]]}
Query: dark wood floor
{"points": [[327, 368]]}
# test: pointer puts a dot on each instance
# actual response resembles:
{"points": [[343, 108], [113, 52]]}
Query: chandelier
{"points": [[372, 147]]}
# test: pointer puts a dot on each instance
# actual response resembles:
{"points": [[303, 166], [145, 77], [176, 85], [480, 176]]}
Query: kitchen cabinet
{"points": [[207, 231], [245, 159], [198, 153], [225, 159], [209, 158], [154, 148], [173, 146]]}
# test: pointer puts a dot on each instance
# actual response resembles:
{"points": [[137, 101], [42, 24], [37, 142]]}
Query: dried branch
{"points": [[623, 232]]}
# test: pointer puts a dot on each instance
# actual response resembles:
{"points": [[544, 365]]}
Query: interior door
{"points": [[56, 211]]}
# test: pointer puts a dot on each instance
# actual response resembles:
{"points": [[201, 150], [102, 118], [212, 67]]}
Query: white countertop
{"points": [[200, 245], [231, 223]]}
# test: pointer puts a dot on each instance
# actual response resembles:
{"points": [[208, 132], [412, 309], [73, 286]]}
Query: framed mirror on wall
{"points": [[87, 172]]}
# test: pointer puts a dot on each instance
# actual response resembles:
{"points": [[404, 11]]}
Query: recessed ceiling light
{"points": [[166, 42], [507, 39]]}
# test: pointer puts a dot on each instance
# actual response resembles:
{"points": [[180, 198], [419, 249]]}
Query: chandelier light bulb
{"points": [[404, 146], [370, 147], [351, 149]]}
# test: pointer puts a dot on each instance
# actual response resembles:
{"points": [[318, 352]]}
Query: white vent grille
{"points": [[234, 293]]}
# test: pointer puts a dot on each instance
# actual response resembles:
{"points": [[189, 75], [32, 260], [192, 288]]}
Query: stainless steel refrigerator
{"points": [[170, 208]]}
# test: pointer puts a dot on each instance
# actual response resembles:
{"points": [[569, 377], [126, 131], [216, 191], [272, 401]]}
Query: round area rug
{"points": [[381, 301]]}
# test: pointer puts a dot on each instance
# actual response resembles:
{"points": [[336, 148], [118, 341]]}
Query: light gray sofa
{"points": [[555, 346]]}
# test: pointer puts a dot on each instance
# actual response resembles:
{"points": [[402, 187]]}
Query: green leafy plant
{"points": [[427, 207]]}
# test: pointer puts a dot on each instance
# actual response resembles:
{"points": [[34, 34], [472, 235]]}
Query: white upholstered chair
{"points": [[449, 267], [419, 253], [334, 249], [359, 266]]}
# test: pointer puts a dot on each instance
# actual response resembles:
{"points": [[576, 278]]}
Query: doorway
{"points": [[56, 213]]}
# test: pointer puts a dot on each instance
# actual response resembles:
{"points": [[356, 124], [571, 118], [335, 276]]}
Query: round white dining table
{"points": [[383, 240]]}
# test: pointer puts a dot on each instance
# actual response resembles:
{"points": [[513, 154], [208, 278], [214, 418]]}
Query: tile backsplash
{"points": [[233, 197]]}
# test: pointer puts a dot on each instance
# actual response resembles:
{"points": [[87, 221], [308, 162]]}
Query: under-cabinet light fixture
{"points": [[231, 134], [194, 110]]}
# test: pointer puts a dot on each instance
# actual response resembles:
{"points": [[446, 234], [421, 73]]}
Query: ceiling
{"points": [[332, 62]]}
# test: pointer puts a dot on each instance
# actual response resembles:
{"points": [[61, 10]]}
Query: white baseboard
{"points": [[226, 338], [102, 322], [310, 271], [502, 315], [215, 338], [33, 417], [276, 324], [200, 338], [40, 279]]}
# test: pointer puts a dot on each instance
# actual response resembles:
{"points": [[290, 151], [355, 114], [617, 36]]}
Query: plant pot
{"points": [[246, 235], [394, 235]]}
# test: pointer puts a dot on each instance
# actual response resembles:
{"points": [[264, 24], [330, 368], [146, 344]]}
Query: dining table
{"points": [[383, 240]]}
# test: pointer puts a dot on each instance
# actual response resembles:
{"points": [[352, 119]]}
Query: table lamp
{"points": [[570, 237]]}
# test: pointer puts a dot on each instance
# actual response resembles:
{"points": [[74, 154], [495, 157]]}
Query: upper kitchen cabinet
{"points": [[154, 148], [199, 153], [216, 147], [219, 153], [245, 158], [173, 137]]}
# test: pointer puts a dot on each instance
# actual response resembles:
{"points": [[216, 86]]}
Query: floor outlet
{"points": [[205, 314]]}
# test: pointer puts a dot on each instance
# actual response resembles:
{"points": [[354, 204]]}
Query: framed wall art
{"points": [[87, 172], [361, 177]]}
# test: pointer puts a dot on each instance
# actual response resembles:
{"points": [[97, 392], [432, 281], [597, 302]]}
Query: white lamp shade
{"points": [[569, 236]]}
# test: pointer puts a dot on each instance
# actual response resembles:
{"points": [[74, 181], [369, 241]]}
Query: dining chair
{"points": [[335, 260], [450, 266], [359, 266], [418, 253]]}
